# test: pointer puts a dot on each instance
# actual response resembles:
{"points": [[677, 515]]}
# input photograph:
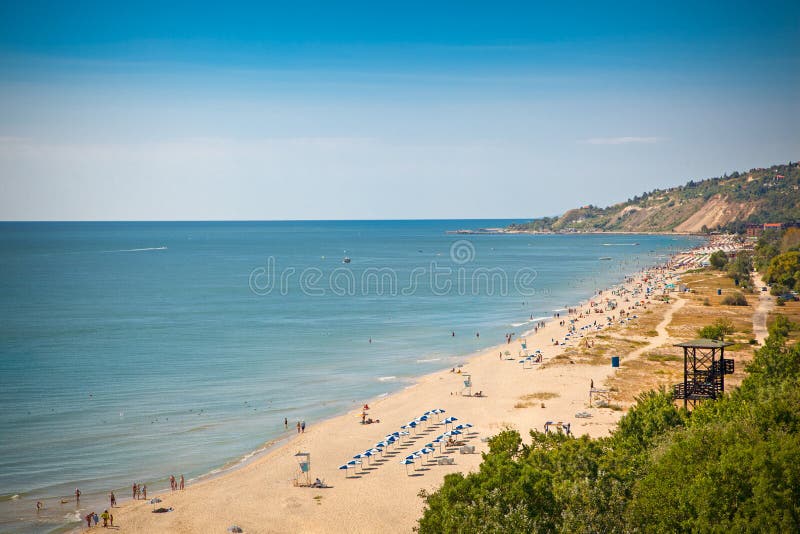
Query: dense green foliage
{"points": [[739, 269], [731, 465], [718, 260], [757, 196], [767, 247], [784, 270]]}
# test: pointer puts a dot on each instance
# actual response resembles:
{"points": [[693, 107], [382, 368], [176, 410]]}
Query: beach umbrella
{"points": [[375, 451], [353, 463], [455, 432], [406, 462], [344, 467]]}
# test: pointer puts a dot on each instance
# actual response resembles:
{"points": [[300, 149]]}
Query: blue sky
{"points": [[300, 110]]}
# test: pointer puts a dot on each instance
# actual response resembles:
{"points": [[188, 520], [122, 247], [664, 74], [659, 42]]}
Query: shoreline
{"points": [[281, 448]]}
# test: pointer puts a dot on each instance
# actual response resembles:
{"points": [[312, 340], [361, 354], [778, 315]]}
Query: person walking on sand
{"points": [[144, 491], [172, 482], [182, 482], [303, 427], [133, 489], [298, 427], [88, 519], [104, 516], [113, 499]]}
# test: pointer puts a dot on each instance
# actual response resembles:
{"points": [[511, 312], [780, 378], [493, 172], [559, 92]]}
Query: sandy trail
{"points": [[762, 311], [663, 336]]}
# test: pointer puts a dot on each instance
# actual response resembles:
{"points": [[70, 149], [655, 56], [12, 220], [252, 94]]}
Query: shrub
{"points": [[778, 289], [734, 299]]}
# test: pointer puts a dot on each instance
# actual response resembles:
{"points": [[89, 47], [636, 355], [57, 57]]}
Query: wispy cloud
{"points": [[626, 140]]}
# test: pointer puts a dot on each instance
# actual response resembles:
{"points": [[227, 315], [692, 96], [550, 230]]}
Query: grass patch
{"points": [[540, 395], [532, 399], [664, 357]]}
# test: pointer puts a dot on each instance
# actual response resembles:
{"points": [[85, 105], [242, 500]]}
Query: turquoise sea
{"points": [[132, 351]]}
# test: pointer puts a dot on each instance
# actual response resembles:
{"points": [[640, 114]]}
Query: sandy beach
{"points": [[380, 495]]}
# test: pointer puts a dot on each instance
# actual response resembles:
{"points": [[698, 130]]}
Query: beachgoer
{"points": [[113, 499], [182, 482], [144, 491], [111, 519], [88, 519], [77, 495], [133, 488], [303, 426], [453, 334], [95, 518], [172, 482], [39, 505], [104, 515], [286, 423], [298, 427], [477, 334], [591, 384]]}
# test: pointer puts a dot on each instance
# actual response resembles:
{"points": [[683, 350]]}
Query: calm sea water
{"points": [[131, 351]]}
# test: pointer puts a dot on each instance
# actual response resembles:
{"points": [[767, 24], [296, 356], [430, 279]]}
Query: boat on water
{"points": [[605, 258], [346, 260]]}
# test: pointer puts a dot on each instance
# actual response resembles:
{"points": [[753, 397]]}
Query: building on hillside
{"points": [[754, 230], [773, 226]]}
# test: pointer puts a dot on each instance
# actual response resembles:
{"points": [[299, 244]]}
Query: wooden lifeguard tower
{"points": [[704, 370]]}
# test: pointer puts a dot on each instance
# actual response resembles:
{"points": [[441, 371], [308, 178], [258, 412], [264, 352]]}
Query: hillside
{"points": [[723, 203]]}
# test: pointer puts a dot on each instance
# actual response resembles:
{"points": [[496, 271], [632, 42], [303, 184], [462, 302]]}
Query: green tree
{"points": [[718, 260], [784, 269], [718, 330]]}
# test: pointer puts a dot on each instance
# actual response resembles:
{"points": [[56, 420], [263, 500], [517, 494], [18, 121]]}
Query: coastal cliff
{"points": [[726, 203]]}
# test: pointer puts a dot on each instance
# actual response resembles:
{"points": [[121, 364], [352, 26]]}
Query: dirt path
{"points": [[663, 336], [765, 305]]}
